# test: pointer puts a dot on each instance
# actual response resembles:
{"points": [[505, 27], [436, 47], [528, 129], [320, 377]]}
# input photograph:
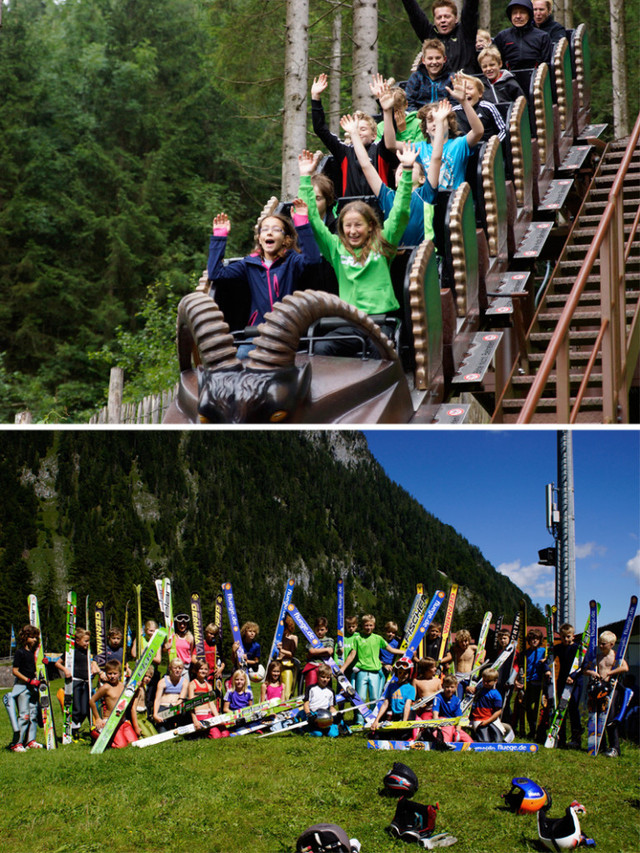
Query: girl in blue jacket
{"points": [[275, 265]]}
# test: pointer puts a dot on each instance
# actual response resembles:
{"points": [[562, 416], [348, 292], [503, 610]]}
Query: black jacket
{"points": [[523, 47], [460, 43], [504, 90], [351, 180], [554, 30]]}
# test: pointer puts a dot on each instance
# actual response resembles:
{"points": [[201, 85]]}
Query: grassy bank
{"points": [[256, 796]]}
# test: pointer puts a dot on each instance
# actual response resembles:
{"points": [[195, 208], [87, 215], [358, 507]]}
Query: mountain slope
{"points": [[100, 511]]}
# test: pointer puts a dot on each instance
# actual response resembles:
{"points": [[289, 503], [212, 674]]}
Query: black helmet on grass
{"points": [[401, 781]]}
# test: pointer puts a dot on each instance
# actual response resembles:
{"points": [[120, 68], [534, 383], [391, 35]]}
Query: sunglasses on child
{"points": [[182, 618]]}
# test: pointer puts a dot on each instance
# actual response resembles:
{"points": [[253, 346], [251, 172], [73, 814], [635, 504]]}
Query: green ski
{"points": [[117, 715]]}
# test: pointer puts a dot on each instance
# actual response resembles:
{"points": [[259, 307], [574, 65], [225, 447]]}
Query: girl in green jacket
{"points": [[361, 252]]}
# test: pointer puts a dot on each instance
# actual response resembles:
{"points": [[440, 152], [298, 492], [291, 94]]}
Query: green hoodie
{"points": [[367, 287]]}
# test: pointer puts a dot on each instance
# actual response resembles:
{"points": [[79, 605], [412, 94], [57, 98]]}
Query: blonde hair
{"points": [[359, 115], [490, 52], [463, 634], [608, 637], [477, 82]]}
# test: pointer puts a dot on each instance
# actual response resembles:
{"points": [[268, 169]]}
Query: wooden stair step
{"points": [[544, 336]]}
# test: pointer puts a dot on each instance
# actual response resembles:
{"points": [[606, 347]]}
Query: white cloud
{"points": [[536, 580], [633, 565], [589, 549]]}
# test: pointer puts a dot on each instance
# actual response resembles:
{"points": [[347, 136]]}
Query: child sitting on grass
{"points": [[272, 687], [172, 690], [200, 685], [487, 709], [446, 705], [106, 698], [320, 705], [427, 683], [398, 698]]}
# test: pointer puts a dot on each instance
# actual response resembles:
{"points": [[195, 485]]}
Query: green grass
{"points": [[256, 796]]}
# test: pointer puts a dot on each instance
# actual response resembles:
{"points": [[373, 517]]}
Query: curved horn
{"points": [[280, 334], [203, 335]]}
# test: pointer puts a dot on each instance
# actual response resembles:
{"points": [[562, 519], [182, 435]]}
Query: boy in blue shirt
{"points": [[447, 705], [398, 696], [487, 709]]}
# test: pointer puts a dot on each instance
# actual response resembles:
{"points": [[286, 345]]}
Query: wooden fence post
{"points": [[114, 403]]}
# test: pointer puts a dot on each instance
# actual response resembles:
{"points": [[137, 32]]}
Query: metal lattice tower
{"points": [[566, 536]]}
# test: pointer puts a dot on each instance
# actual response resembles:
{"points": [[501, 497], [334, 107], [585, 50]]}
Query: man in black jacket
{"points": [[545, 21], [458, 36], [523, 45]]}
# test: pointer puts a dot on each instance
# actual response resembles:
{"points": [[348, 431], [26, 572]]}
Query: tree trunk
{"points": [[618, 70], [335, 68], [484, 17], [294, 130], [365, 53]]}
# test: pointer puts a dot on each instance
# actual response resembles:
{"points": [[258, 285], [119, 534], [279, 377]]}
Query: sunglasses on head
{"points": [[182, 618]]}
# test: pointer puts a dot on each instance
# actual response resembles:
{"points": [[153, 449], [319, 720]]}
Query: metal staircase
{"points": [[583, 343]]}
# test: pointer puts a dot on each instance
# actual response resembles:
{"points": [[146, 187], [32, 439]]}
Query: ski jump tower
{"points": [[561, 525]]}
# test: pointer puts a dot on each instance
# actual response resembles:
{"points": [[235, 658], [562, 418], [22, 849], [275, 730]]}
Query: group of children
{"points": [[430, 126], [438, 685]]}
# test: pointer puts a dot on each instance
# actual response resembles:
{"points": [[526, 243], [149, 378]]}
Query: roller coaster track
{"points": [[584, 340]]}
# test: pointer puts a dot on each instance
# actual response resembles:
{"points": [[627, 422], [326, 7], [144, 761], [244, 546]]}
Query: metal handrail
{"points": [[559, 337]]}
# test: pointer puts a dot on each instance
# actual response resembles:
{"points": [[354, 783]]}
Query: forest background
{"points": [[125, 125], [98, 511]]}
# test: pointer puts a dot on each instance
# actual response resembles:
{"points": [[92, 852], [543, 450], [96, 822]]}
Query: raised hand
{"points": [[386, 97], [408, 155], [349, 125], [221, 222], [299, 207], [377, 85], [318, 86], [442, 111], [458, 91], [306, 163]]}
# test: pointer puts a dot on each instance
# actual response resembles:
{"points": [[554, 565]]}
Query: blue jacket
{"points": [[422, 89], [266, 284]]}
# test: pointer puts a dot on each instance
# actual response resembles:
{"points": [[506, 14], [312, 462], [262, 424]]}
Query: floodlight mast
{"points": [[566, 532]]}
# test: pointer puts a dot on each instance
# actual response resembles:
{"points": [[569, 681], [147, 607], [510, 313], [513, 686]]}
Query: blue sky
{"points": [[489, 485]]}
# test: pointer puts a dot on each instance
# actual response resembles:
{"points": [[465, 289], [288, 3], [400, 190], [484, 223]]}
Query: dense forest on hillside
{"points": [[124, 126], [101, 511]]}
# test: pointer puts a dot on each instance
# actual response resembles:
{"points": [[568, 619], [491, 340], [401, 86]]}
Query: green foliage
{"points": [[124, 126], [148, 355]]}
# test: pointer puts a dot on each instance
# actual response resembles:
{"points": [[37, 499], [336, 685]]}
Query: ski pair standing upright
{"points": [[606, 702]]}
